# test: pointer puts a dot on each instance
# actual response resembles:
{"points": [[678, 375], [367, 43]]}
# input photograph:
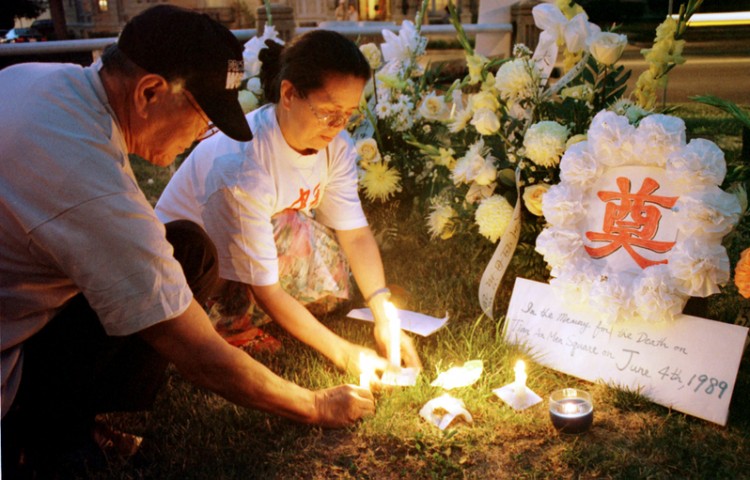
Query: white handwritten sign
{"points": [[689, 365]]}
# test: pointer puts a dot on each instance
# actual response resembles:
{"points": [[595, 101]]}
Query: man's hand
{"points": [[342, 406]]}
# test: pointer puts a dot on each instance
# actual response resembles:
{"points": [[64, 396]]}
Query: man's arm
{"points": [[203, 357]]}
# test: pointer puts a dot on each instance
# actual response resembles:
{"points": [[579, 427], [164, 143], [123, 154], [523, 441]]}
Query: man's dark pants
{"points": [[73, 371]]}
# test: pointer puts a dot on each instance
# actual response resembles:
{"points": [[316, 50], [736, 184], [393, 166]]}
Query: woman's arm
{"points": [[297, 320], [362, 252]]}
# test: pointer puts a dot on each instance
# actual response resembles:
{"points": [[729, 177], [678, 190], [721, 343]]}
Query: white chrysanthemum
{"points": [[440, 221], [493, 216], [544, 143], [380, 182], [372, 54], [517, 79]]}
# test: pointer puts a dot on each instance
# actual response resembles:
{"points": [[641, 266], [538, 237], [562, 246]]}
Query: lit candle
{"points": [[519, 386], [366, 370], [394, 330], [571, 410]]}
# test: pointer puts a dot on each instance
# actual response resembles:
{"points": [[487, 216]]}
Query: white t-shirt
{"points": [[233, 189], [73, 217]]}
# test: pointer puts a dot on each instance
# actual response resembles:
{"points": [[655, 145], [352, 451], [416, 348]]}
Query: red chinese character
{"points": [[639, 230], [301, 202]]}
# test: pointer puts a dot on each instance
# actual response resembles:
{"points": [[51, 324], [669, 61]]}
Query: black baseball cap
{"points": [[177, 43]]}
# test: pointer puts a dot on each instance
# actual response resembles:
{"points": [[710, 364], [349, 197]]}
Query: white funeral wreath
{"points": [[693, 217]]}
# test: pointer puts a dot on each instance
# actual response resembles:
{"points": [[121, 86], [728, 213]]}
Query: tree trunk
{"points": [[57, 12]]}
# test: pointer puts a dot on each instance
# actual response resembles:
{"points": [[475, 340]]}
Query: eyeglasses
{"points": [[210, 128], [332, 120]]}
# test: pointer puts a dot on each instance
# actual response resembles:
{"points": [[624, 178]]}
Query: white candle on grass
{"points": [[394, 330], [519, 386]]}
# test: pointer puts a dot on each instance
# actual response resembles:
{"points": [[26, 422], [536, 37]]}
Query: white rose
{"points": [[485, 121], [367, 149], [532, 198], [607, 47], [433, 107]]}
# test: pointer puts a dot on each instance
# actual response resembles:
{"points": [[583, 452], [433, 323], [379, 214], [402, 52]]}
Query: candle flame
{"points": [[366, 369], [569, 408], [394, 327], [520, 367]]}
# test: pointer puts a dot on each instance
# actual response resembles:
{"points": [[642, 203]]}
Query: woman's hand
{"points": [[409, 356], [359, 359]]}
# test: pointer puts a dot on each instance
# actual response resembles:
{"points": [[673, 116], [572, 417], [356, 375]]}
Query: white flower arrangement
{"points": [[697, 215]]}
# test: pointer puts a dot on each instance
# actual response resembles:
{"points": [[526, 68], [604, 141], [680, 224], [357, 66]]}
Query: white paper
{"points": [[441, 411], [517, 402], [689, 365], [413, 322], [456, 377], [404, 377]]}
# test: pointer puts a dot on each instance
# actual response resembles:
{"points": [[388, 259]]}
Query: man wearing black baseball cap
{"points": [[96, 295]]}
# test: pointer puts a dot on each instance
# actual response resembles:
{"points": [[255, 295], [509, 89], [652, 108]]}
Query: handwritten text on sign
{"points": [[689, 365]]}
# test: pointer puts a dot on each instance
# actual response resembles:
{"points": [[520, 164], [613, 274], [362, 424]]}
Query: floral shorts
{"points": [[312, 269]]}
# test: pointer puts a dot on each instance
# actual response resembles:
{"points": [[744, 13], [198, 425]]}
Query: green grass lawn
{"points": [[195, 434]]}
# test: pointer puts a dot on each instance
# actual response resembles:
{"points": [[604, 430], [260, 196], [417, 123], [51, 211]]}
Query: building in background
{"points": [[104, 18]]}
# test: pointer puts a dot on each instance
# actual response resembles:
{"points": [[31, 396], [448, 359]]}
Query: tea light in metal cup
{"points": [[571, 410]]}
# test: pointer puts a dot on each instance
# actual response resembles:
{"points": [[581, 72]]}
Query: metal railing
{"points": [[352, 31]]}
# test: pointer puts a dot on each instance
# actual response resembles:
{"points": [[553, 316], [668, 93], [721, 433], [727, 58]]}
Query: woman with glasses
{"points": [[283, 209]]}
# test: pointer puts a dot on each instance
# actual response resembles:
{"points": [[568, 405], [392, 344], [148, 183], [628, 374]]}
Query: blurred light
{"points": [[725, 19]]}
